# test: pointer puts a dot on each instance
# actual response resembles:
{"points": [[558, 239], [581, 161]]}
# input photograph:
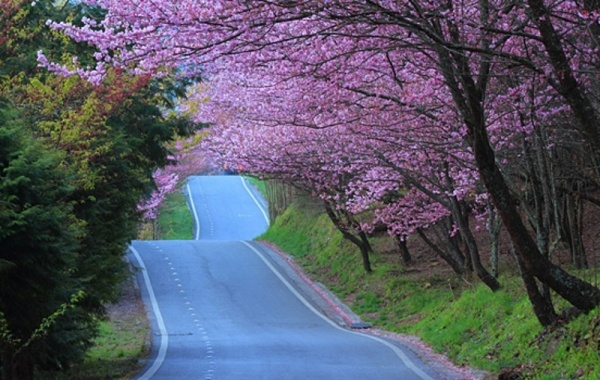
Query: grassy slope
{"points": [[175, 221], [469, 323], [121, 343]]}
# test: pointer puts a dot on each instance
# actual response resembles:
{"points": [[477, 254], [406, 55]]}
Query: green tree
{"points": [[100, 146], [39, 240]]}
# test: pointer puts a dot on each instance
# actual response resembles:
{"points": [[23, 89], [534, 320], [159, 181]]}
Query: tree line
{"points": [[75, 160]]}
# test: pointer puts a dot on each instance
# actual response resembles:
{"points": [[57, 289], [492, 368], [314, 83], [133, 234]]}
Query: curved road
{"points": [[221, 309]]}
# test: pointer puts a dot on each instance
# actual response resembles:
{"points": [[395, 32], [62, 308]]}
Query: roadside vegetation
{"points": [[123, 337], [173, 222], [469, 133], [121, 345], [75, 161], [473, 326]]}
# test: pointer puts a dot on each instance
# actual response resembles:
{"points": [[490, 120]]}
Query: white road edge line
{"points": [[262, 210], [197, 221], [164, 337], [405, 359]]}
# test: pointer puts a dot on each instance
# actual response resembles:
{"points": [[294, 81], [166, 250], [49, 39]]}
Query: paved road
{"points": [[222, 310], [227, 208]]}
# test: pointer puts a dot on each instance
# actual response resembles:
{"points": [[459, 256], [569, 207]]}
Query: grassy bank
{"points": [[466, 321], [175, 221], [496, 332]]}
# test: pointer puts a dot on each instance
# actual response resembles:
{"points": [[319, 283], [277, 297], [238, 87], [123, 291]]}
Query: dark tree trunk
{"points": [[365, 251], [403, 246], [468, 97], [461, 217], [494, 227], [542, 305], [456, 263], [572, 227], [566, 84], [358, 238], [579, 293]]}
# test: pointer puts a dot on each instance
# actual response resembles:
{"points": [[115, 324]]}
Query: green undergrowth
{"points": [[260, 185], [175, 221], [121, 344], [122, 338], [116, 355], [466, 321]]}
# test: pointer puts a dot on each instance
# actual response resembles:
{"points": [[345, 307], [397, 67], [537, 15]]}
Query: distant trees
{"points": [[457, 104], [75, 160]]}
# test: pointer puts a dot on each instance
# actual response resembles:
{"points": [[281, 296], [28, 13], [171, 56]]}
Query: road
{"points": [[226, 208], [221, 308]]}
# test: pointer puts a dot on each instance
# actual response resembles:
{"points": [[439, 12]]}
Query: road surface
{"points": [[221, 308]]}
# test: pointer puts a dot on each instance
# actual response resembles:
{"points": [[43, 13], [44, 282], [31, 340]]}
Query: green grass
{"points": [[470, 324], [116, 355], [260, 185], [175, 221], [120, 345]]}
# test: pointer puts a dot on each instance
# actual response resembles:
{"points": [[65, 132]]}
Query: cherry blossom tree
{"points": [[431, 66], [166, 183], [350, 167]]}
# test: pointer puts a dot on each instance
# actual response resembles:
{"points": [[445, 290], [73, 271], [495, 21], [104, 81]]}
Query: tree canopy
{"points": [[441, 110]]}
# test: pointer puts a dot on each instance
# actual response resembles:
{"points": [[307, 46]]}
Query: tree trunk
{"points": [[360, 239], [542, 306], [573, 227], [365, 251], [468, 97], [279, 197], [457, 264], [567, 85], [494, 227], [579, 293], [461, 217], [403, 246]]}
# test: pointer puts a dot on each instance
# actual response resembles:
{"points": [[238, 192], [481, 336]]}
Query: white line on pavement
{"points": [[261, 208], [405, 359], [164, 337], [197, 221]]}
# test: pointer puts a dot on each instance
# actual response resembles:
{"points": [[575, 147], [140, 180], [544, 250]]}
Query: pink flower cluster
{"points": [[353, 100]]}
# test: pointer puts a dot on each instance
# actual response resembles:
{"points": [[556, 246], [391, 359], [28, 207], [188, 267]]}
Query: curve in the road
{"points": [[164, 335]]}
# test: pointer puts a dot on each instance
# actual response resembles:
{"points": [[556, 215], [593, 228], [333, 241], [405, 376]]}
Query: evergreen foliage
{"points": [[75, 160], [40, 239]]}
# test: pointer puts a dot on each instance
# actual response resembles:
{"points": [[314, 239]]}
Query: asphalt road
{"points": [[221, 308], [226, 208]]}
